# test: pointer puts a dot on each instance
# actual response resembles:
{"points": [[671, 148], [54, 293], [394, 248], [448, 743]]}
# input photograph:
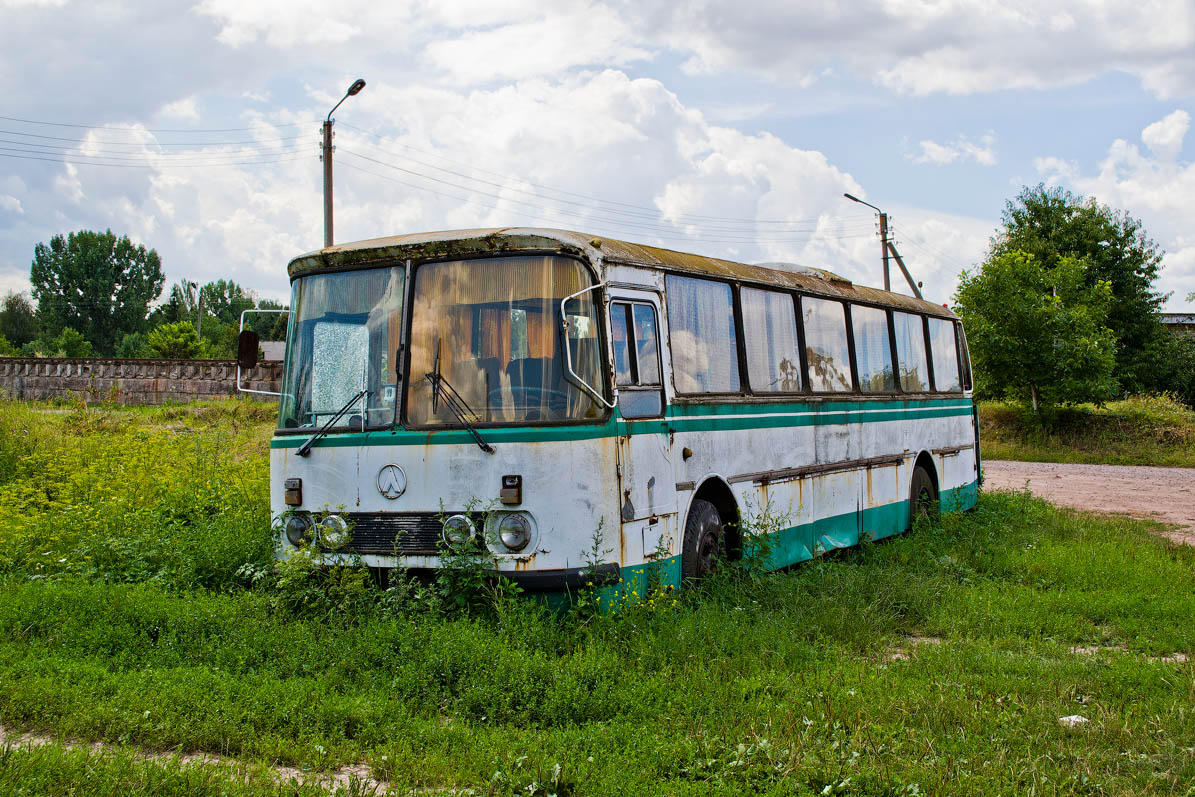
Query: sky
{"points": [[729, 128]]}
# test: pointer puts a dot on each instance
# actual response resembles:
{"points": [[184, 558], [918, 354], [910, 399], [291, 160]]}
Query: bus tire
{"points": [[705, 540], [923, 497]]}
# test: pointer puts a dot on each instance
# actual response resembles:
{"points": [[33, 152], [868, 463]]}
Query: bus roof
{"points": [[500, 240]]}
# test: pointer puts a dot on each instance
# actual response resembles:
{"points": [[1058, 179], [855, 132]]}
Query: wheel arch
{"points": [[717, 491], [926, 462]]}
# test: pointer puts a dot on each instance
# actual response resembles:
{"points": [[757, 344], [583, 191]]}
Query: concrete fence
{"points": [[130, 381]]}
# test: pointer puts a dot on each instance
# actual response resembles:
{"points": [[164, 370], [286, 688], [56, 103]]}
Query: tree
{"points": [[95, 283], [1052, 224], [1038, 333], [18, 321], [176, 341]]}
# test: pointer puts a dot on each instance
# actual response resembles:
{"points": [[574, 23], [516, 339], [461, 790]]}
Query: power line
{"points": [[653, 227], [52, 149], [150, 129], [543, 215], [641, 209], [146, 143], [148, 165]]}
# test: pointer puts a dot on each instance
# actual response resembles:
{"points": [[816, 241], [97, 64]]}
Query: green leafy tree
{"points": [[67, 343], [18, 320], [95, 283], [1052, 224], [176, 341], [1038, 334], [7, 349]]}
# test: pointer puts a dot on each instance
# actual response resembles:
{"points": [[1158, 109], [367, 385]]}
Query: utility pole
{"points": [[326, 157], [887, 247]]}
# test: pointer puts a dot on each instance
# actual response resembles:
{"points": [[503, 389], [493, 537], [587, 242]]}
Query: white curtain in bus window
{"points": [[770, 335], [942, 348], [873, 350], [910, 352], [826, 345], [701, 324]]}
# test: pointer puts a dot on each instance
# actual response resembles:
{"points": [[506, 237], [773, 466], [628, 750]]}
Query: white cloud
{"points": [[1155, 187], [1165, 136], [11, 204], [186, 109], [961, 149]]}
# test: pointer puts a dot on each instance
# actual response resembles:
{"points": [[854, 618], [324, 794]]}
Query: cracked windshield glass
{"points": [[343, 339], [487, 338]]}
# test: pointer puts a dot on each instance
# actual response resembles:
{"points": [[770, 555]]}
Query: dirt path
{"points": [[343, 778], [1163, 494]]}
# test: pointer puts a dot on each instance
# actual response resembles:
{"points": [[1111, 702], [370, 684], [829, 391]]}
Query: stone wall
{"points": [[131, 381]]}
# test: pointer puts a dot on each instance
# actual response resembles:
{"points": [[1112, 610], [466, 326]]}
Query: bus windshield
{"points": [[488, 333], [343, 340]]}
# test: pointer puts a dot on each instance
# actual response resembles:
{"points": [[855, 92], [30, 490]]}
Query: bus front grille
{"points": [[396, 533]]}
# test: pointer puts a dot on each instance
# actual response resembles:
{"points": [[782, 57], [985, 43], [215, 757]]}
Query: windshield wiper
{"points": [[441, 388], [305, 449]]}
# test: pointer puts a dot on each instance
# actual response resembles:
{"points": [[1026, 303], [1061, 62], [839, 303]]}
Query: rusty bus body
{"points": [[582, 385]]}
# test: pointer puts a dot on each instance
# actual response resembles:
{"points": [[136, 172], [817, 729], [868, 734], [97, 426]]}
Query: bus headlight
{"points": [[514, 531], [298, 528], [333, 533], [458, 530]]}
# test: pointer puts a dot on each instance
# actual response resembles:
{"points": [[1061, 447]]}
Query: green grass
{"points": [[1141, 430], [818, 677]]}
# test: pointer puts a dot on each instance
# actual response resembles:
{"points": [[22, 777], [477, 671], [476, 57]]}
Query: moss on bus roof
{"points": [[449, 244]]}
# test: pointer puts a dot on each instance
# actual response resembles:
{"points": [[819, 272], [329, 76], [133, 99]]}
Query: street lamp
{"points": [[887, 247], [326, 156], [883, 237]]}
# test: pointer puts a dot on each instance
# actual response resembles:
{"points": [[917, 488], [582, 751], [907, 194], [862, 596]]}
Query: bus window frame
{"points": [[600, 294], [637, 386], [887, 310], [736, 310], [775, 395], [850, 345]]}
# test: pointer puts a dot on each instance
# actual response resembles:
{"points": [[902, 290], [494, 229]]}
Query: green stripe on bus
{"points": [[683, 418], [795, 544]]}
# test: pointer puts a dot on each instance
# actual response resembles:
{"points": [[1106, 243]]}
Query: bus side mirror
{"points": [[247, 349]]}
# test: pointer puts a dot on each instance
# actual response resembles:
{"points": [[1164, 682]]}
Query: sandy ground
{"points": [[1163, 494]]}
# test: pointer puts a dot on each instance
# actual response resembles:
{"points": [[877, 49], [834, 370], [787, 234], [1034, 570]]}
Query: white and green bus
{"points": [[572, 385]]}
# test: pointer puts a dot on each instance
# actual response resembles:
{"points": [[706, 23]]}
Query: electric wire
{"points": [[52, 149], [151, 129], [147, 143], [147, 165], [639, 209], [730, 235], [542, 215]]}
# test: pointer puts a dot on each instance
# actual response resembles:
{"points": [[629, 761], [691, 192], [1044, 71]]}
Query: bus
{"points": [[551, 394]]}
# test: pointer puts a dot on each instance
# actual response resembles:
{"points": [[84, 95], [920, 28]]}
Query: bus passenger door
{"points": [[646, 488]]}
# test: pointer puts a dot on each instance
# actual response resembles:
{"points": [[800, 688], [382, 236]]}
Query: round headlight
{"points": [[458, 530], [515, 532], [298, 529], [333, 532]]}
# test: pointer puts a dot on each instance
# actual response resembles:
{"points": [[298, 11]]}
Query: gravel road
{"points": [[1163, 494]]}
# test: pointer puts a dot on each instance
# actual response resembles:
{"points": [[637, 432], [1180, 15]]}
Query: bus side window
{"points": [[635, 337], [910, 352], [944, 356]]}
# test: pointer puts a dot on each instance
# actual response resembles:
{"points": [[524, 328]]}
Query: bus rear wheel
{"points": [[705, 540], [923, 497]]}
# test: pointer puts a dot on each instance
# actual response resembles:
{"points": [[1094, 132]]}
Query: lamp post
{"points": [[887, 246], [883, 236], [326, 157]]}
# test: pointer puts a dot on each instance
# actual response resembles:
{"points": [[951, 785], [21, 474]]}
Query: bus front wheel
{"points": [[705, 541], [923, 497]]}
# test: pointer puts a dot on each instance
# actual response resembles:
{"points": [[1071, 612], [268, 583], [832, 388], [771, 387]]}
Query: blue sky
{"points": [[727, 128]]}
